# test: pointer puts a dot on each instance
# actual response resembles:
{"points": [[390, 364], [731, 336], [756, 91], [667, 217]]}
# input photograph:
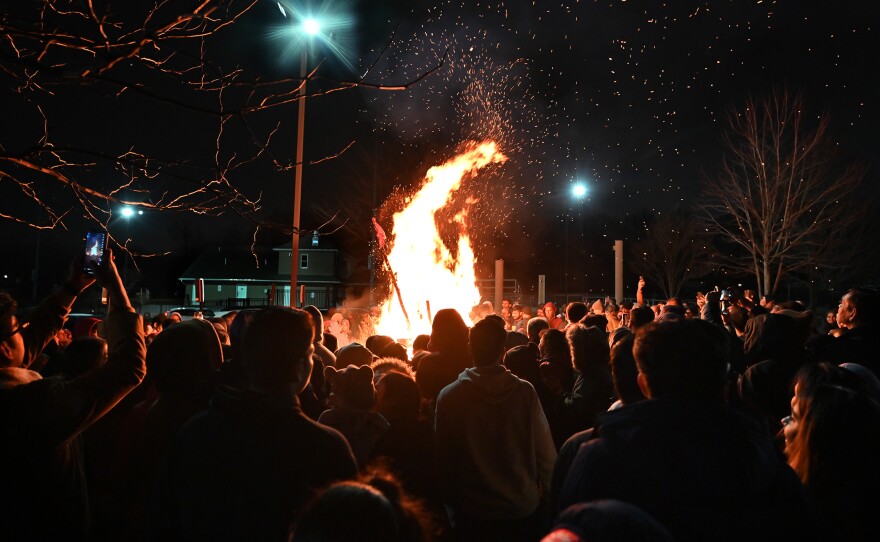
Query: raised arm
{"points": [[78, 403], [640, 296], [49, 316]]}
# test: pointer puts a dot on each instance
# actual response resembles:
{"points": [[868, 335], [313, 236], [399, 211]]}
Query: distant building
{"points": [[241, 277]]}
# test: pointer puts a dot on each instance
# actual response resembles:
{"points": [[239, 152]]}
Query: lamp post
{"points": [[310, 27], [325, 28]]}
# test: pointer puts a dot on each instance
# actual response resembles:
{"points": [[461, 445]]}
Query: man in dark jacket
{"points": [[858, 338], [242, 469], [43, 494], [703, 470]]}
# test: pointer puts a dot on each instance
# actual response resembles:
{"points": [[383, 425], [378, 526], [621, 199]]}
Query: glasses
{"points": [[18, 329], [786, 421]]}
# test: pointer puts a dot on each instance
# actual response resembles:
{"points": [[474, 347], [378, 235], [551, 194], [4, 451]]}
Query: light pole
{"points": [[310, 27], [323, 25]]}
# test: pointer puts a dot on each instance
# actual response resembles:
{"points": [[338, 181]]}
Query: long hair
{"points": [[553, 344], [837, 441], [449, 333]]}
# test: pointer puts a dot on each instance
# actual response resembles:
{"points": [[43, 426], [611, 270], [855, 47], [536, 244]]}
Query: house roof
{"points": [[243, 264], [234, 263]]}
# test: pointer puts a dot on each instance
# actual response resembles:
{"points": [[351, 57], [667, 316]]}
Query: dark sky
{"points": [[629, 97]]}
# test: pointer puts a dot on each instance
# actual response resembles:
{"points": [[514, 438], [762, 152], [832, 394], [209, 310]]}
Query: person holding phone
{"points": [[45, 493]]}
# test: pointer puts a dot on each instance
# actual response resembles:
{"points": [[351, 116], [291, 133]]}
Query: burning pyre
{"points": [[426, 275]]}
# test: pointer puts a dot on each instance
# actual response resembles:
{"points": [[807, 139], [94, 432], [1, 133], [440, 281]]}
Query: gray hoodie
{"points": [[495, 450]]}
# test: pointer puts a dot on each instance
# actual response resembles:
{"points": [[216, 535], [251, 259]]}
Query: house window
{"points": [[303, 261]]}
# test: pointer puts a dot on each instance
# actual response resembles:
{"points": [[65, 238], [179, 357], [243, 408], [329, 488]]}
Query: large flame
{"points": [[427, 273]]}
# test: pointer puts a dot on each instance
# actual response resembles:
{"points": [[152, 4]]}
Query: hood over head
{"points": [[491, 384], [184, 356]]}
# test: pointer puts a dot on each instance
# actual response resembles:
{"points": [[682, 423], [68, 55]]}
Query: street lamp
{"points": [[128, 212], [311, 27], [329, 28]]}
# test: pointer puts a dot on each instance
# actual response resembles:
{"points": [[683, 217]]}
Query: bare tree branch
{"points": [[672, 251], [115, 57], [782, 199]]}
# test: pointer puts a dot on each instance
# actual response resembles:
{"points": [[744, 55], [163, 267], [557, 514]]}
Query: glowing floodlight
{"points": [[311, 26]]}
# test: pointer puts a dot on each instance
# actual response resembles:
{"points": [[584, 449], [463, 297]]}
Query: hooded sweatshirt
{"points": [[495, 451]]}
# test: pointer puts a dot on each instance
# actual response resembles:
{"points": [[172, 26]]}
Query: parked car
{"points": [[80, 322], [188, 313]]}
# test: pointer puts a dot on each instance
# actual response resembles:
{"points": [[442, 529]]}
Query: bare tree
{"points": [[783, 199], [86, 86], [672, 252]]}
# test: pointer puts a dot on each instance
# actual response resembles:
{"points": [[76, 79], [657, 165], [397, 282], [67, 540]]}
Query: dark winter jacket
{"points": [[242, 469], [361, 428], [703, 470], [591, 395], [43, 493], [858, 345], [774, 352], [439, 369]]}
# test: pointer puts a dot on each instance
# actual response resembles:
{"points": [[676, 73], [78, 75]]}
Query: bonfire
{"points": [[425, 274]]}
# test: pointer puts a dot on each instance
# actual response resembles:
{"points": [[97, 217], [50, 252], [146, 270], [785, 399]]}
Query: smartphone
{"points": [[96, 242]]}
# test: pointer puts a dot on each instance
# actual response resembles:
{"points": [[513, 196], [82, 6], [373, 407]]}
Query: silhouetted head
{"points": [[486, 343], [448, 331], [277, 348], [682, 359], [183, 357]]}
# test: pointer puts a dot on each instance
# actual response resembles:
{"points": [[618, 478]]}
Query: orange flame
{"points": [[426, 270]]}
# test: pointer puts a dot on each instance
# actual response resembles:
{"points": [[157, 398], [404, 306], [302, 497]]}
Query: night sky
{"points": [[629, 97]]}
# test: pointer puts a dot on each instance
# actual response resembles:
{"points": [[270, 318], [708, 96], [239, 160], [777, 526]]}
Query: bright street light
{"points": [[311, 26], [128, 212], [300, 37], [327, 25]]}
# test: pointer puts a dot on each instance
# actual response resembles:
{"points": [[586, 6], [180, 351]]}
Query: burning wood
{"points": [[426, 273]]}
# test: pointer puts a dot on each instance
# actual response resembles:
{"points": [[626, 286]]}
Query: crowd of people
{"points": [[733, 418]]}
